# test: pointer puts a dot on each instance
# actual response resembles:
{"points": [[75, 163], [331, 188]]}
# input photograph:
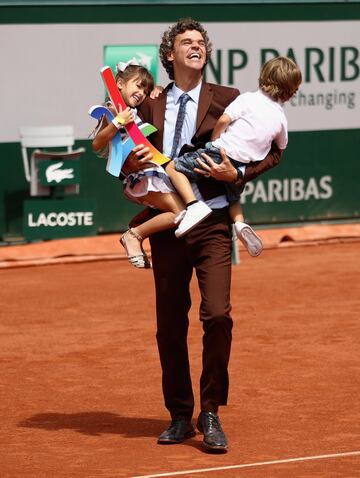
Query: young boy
{"points": [[245, 131]]}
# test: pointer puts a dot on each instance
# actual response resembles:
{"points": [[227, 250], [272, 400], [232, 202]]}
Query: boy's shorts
{"points": [[185, 164]]}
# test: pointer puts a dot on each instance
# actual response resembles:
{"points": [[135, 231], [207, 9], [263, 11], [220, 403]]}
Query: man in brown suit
{"points": [[184, 51]]}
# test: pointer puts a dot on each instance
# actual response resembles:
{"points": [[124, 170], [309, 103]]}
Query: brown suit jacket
{"points": [[212, 102]]}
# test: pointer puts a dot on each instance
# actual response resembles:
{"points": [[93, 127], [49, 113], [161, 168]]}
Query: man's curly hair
{"points": [[168, 40]]}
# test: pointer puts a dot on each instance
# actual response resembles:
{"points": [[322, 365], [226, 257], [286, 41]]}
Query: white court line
{"points": [[249, 465]]}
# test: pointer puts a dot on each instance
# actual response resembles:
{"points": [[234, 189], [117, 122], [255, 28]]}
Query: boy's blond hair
{"points": [[280, 78]]}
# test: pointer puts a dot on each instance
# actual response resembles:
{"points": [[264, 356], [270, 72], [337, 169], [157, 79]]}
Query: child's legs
{"points": [[235, 212], [181, 183], [167, 202], [170, 203], [181, 172], [233, 194]]}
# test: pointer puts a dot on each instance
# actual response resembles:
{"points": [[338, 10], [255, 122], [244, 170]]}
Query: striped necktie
{"points": [[184, 98]]}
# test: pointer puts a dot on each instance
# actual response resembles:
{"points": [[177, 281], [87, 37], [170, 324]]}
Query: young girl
{"points": [[151, 186]]}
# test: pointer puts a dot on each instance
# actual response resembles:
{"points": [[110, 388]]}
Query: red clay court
{"points": [[80, 386]]}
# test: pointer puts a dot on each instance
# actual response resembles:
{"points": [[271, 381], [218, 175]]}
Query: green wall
{"points": [[310, 156], [113, 211], [320, 170]]}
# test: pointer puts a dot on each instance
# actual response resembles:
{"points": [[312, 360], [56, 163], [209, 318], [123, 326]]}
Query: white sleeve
{"points": [[281, 139], [234, 109]]}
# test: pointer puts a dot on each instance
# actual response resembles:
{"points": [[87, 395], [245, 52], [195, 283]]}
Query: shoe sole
{"points": [[187, 435], [251, 241], [212, 448], [193, 226], [215, 448]]}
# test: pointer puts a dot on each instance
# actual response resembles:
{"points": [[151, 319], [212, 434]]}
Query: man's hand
{"points": [[224, 171], [139, 158]]}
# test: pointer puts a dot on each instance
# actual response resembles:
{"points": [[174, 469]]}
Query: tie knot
{"points": [[184, 98]]}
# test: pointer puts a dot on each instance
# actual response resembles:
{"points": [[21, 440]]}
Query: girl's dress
{"points": [[138, 185]]}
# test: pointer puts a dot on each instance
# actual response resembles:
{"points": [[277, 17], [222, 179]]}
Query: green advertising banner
{"points": [[316, 180], [144, 55], [49, 219]]}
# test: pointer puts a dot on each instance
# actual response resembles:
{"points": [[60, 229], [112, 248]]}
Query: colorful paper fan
{"points": [[118, 151]]}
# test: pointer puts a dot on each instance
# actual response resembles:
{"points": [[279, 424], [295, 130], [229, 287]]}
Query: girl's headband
{"points": [[121, 66]]}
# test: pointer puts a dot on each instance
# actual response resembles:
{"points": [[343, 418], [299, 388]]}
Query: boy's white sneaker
{"points": [[249, 238], [194, 214]]}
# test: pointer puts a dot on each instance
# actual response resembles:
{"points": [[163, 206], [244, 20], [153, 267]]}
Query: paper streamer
{"points": [[118, 150]]}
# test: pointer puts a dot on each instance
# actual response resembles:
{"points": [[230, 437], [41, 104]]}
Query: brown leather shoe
{"points": [[178, 431], [214, 438]]}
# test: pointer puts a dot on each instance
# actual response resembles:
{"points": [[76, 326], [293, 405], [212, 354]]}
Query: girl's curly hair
{"points": [[168, 40]]}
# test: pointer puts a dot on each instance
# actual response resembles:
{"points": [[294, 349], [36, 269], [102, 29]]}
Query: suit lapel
{"points": [[205, 98], [159, 114]]}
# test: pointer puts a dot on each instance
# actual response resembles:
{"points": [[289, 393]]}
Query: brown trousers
{"points": [[207, 248]]}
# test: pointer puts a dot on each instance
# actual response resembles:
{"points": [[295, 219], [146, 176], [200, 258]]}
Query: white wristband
{"points": [[116, 123]]}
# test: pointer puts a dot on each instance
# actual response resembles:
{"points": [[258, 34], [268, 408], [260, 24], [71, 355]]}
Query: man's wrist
{"points": [[240, 172], [238, 176]]}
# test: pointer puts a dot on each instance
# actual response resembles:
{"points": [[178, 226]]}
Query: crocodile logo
{"points": [[54, 173]]}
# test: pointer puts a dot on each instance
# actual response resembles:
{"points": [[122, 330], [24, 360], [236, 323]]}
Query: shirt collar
{"points": [[271, 100], [194, 93]]}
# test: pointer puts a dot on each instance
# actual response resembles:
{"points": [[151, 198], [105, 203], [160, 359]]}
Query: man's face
{"points": [[189, 51]]}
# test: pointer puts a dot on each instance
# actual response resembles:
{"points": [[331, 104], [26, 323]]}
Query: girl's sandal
{"points": [[140, 261]]}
